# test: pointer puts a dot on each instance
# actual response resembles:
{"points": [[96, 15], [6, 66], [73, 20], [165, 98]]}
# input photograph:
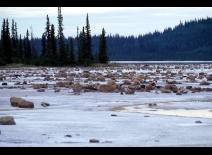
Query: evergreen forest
{"points": [[188, 41]]}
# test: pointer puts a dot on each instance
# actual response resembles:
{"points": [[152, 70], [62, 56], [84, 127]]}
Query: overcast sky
{"points": [[124, 21]]}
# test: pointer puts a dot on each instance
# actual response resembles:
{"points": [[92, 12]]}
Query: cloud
{"points": [[28, 12]]}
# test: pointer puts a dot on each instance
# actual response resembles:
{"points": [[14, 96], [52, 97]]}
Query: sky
{"points": [[125, 21]]}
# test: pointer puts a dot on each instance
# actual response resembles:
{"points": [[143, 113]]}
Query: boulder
{"points": [[94, 141], [172, 87], [15, 100], [41, 90], [7, 120], [129, 91], [203, 82], [106, 88], [25, 104], [149, 87], [165, 91], [45, 104], [77, 88]]}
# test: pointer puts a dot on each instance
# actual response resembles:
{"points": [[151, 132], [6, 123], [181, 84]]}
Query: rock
{"points": [[94, 141], [113, 115], [198, 122], [172, 87], [24, 82], [4, 84], [77, 88], [188, 87], [106, 88], [7, 120], [178, 93], [165, 91], [204, 83], [57, 90], [45, 104], [25, 104], [67, 135], [129, 91], [15, 100], [41, 90], [36, 86]]}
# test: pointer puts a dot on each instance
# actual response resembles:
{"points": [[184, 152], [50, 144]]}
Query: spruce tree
{"points": [[53, 43], [16, 42], [28, 48], [62, 49], [48, 38], [43, 44], [82, 46], [7, 46], [20, 49], [33, 50], [88, 54], [24, 49], [78, 47], [3, 56], [13, 41], [102, 56], [71, 52]]}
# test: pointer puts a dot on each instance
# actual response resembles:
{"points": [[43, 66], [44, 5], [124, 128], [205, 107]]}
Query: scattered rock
{"points": [[7, 120], [15, 100], [107, 141], [57, 90], [94, 141], [67, 135], [198, 122], [45, 104], [25, 104], [41, 90]]}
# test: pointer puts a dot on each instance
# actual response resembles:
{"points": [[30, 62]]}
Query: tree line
{"points": [[55, 50], [188, 41]]}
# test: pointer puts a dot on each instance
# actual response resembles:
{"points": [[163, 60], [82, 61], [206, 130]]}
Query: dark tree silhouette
{"points": [[62, 48], [102, 56]]}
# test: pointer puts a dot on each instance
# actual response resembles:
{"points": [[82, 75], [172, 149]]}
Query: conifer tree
{"points": [[13, 41], [82, 46], [88, 54], [78, 47], [33, 50], [24, 49], [43, 43], [3, 56], [53, 43], [48, 38], [62, 49], [6, 42], [28, 47], [16, 42], [102, 55], [20, 49], [71, 52]]}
